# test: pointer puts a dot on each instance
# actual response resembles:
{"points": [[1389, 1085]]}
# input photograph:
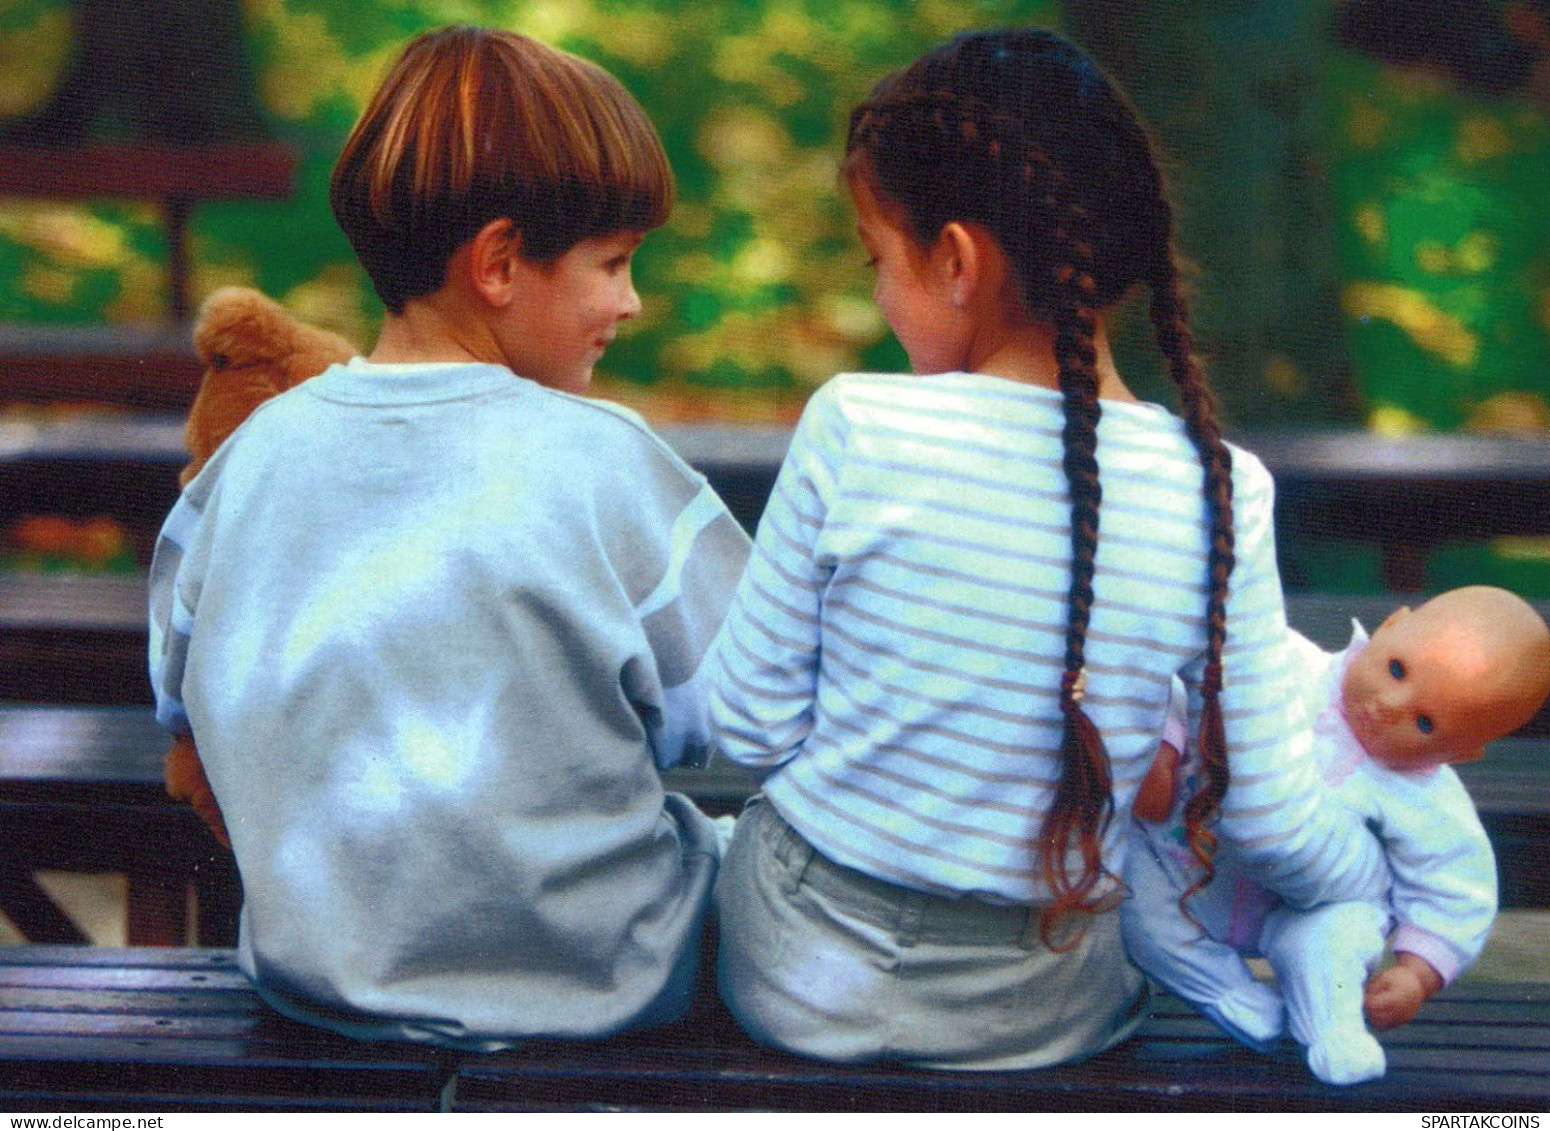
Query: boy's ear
{"points": [[491, 261]]}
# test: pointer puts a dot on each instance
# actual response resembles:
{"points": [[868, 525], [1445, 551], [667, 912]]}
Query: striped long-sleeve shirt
{"points": [[894, 651]]}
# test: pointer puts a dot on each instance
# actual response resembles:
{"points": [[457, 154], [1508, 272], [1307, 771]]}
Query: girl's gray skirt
{"points": [[822, 960]]}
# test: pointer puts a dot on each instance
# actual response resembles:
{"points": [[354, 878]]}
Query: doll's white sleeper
{"points": [[1438, 896]]}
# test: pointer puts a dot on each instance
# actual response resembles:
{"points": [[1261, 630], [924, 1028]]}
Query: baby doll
{"points": [[252, 349], [1388, 715]]}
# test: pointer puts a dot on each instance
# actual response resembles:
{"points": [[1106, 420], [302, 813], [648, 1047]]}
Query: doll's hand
{"points": [[1154, 800], [1394, 995], [186, 781]]}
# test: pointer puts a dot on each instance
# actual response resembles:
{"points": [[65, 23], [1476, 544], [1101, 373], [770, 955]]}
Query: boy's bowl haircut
{"points": [[475, 124]]}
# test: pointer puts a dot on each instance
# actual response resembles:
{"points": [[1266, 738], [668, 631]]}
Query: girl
{"points": [[972, 589]]}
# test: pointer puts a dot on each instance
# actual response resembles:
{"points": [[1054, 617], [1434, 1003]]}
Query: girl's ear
{"points": [[966, 261], [955, 261], [490, 262]]}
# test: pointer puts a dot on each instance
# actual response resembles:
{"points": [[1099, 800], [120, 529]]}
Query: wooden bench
{"points": [[1404, 496], [81, 791], [89, 1029], [73, 638]]}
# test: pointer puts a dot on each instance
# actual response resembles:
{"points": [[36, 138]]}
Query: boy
{"points": [[434, 622], [1431, 687]]}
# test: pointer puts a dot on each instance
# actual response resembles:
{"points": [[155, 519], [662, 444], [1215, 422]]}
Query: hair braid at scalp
{"points": [[1018, 131]]}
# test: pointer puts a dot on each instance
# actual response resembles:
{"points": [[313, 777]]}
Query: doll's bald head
{"points": [[1437, 683]]}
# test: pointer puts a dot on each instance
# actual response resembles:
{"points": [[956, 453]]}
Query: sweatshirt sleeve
{"points": [[173, 595], [766, 658], [1291, 834], [1444, 892], [682, 552]]}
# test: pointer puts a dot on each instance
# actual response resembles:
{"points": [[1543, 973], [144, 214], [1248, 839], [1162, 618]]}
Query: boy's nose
{"points": [[631, 306]]}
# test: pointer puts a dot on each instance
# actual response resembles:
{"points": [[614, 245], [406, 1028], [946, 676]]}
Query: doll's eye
{"points": [[1397, 669], [1424, 724]]}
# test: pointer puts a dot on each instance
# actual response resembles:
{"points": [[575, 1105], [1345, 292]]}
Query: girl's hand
{"points": [[1394, 995]]}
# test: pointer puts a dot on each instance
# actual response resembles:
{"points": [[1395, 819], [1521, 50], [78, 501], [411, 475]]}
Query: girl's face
{"points": [[917, 305], [568, 311]]}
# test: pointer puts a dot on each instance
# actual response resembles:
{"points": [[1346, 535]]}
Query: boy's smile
{"points": [[567, 311]]}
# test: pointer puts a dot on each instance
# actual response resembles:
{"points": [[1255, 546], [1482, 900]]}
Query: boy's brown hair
{"points": [[475, 124]]}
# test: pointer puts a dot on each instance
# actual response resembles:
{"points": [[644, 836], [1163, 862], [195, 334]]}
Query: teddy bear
{"points": [[252, 349]]}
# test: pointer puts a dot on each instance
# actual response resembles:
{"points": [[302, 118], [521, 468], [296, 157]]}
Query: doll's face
{"points": [[1409, 695]]}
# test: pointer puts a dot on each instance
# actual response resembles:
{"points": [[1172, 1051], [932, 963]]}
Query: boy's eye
{"points": [[1397, 669], [1424, 724]]}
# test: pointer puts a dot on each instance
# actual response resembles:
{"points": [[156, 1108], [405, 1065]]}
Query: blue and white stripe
{"points": [[895, 648]]}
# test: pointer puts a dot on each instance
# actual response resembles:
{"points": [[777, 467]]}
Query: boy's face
{"points": [[568, 310], [1411, 696]]}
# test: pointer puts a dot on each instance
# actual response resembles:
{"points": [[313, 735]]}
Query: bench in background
{"points": [[88, 1029], [81, 790], [1403, 495]]}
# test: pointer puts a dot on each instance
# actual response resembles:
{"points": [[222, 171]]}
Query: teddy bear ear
{"points": [[237, 326]]}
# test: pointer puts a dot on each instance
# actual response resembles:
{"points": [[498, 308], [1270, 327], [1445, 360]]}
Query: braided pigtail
{"points": [[1020, 132], [1170, 323], [1084, 799]]}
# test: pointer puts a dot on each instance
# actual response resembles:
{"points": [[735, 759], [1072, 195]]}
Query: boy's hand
{"points": [[186, 781], [1394, 995]]}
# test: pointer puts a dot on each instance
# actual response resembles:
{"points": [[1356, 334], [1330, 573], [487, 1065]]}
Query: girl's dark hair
{"points": [[1021, 133]]}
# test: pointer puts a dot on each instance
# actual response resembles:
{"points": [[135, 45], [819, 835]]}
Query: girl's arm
{"points": [[1291, 833], [766, 658]]}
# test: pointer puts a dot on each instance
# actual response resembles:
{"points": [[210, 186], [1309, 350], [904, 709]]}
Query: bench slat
{"points": [[38, 998], [88, 1028]]}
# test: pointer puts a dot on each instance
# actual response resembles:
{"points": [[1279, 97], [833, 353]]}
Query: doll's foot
{"points": [[1252, 1013], [1346, 1057]]}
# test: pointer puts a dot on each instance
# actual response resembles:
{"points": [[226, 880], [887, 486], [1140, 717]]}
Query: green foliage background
{"points": [[756, 284], [1372, 245]]}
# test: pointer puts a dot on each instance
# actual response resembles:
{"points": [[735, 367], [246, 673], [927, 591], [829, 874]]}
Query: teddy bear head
{"points": [[252, 349]]}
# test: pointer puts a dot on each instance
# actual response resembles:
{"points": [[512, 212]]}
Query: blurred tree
{"points": [[1440, 158], [153, 70], [1231, 90]]}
